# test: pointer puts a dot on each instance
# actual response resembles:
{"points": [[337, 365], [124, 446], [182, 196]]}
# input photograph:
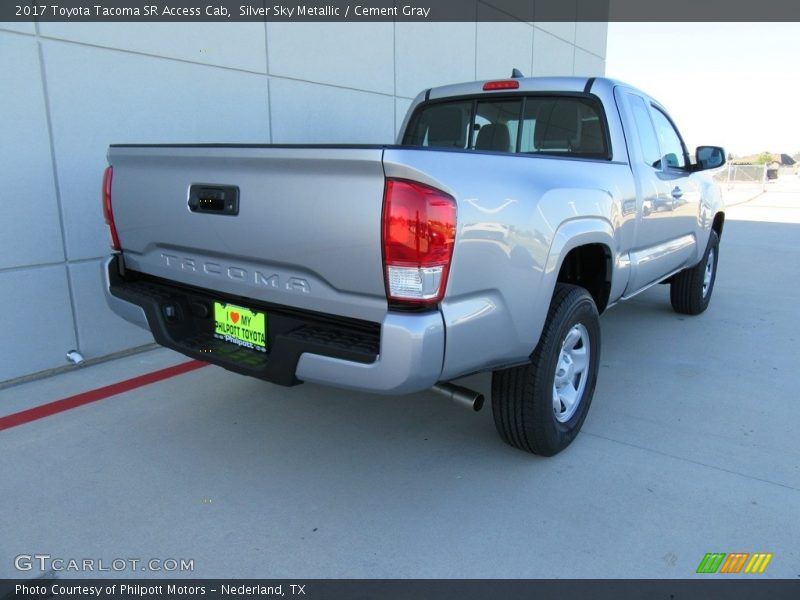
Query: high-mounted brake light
{"points": [[107, 212], [419, 230], [505, 84]]}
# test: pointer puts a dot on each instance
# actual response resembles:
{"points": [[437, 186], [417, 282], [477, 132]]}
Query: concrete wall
{"points": [[67, 90]]}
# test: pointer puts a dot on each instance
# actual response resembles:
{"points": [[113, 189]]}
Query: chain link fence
{"points": [[743, 175], [740, 183]]}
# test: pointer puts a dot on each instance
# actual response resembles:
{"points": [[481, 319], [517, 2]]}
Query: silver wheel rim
{"points": [[708, 274], [572, 371]]}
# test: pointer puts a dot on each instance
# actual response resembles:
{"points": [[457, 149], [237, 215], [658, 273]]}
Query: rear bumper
{"points": [[402, 354]]}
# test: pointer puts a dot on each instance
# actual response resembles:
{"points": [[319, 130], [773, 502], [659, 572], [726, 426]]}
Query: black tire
{"points": [[523, 397], [689, 292]]}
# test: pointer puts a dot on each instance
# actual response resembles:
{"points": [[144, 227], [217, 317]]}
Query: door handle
{"points": [[677, 193], [214, 199]]}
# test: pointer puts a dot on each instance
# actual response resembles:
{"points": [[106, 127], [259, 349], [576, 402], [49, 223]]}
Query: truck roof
{"points": [[529, 84]]}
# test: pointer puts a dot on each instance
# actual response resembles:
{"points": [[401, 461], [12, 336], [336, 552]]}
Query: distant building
{"points": [[781, 160]]}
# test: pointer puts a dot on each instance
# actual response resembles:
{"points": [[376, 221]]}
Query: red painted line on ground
{"points": [[57, 406]]}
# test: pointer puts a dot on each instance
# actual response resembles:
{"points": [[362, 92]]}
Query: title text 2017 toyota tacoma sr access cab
{"points": [[509, 214]]}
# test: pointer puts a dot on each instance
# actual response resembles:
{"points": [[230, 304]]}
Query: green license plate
{"points": [[240, 326]]}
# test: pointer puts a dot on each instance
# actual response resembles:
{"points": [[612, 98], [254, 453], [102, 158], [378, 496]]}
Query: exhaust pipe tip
{"points": [[461, 395]]}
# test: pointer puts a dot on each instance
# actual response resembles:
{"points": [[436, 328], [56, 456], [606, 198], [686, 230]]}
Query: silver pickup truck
{"points": [[509, 214]]}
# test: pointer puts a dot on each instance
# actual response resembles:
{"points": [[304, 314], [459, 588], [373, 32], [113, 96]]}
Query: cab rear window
{"points": [[540, 124]]}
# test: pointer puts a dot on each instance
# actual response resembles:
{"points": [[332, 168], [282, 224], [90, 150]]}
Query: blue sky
{"points": [[735, 85]]}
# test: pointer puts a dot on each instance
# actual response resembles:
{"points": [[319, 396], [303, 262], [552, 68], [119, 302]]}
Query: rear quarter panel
{"points": [[518, 216]]}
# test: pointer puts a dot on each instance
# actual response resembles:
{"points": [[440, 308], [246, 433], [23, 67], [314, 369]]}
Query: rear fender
{"points": [[573, 234]]}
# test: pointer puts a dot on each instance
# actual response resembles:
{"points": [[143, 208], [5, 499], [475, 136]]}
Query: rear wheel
{"points": [[540, 407], [690, 290]]}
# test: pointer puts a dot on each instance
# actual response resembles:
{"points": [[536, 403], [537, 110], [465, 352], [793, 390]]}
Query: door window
{"points": [[672, 148], [647, 133]]}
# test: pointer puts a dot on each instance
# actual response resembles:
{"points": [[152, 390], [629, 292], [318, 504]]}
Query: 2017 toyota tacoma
{"points": [[509, 214]]}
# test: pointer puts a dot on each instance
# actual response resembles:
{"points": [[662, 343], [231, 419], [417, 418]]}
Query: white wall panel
{"points": [[100, 331], [551, 55], [592, 37], [29, 224], [233, 45], [100, 97], [354, 55], [309, 113], [25, 27], [502, 46], [36, 321], [588, 64], [433, 54]]}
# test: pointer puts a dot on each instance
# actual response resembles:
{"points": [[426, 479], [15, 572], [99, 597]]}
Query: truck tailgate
{"points": [[307, 233]]}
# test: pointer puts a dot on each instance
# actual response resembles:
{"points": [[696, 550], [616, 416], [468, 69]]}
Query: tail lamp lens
{"points": [[107, 212], [419, 225]]}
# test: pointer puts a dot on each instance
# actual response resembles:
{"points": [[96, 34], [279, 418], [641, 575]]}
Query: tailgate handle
{"points": [[214, 199]]}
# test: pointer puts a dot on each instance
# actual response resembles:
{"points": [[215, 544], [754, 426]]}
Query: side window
{"points": [[670, 141], [647, 134]]}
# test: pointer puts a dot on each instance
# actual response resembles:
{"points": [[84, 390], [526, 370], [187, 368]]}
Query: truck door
{"points": [[667, 198]]}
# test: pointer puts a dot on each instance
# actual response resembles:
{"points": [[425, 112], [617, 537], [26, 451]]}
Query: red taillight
{"points": [[419, 230], [505, 84], [107, 212]]}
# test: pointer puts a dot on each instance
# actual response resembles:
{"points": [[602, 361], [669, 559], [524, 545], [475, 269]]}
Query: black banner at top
{"points": [[399, 10]]}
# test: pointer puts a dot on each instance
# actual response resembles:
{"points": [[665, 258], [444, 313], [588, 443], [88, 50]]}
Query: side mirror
{"points": [[709, 157]]}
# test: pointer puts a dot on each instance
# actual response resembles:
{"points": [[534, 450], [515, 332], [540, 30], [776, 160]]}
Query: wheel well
{"points": [[589, 266], [719, 221]]}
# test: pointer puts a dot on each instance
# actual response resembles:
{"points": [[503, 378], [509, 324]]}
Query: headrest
{"points": [[493, 137]]}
